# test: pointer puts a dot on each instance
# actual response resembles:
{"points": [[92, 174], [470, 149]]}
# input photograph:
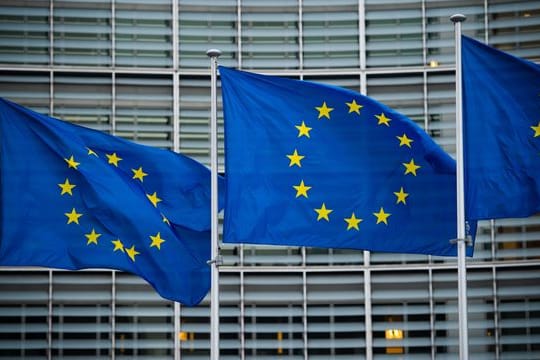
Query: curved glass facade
{"points": [[138, 69]]}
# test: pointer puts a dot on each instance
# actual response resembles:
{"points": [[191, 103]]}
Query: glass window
{"points": [[82, 33], [24, 32], [440, 30], [84, 99], [330, 34], [143, 33], [401, 314], [270, 34], [144, 109], [30, 89], [514, 26], [23, 314], [394, 33], [144, 322], [273, 318], [206, 26], [81, 314]]}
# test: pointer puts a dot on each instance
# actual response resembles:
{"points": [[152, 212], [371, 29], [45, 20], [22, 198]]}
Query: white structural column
{"points": [[457, 19], [213, 54]]}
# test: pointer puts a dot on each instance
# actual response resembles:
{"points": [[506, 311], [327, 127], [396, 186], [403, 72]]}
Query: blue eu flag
{"points": [[315, 165], [75, 198], [501, 126]]}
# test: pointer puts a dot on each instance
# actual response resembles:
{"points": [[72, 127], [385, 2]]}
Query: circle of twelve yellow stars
{"points": [[302, 189], [93, 237]]}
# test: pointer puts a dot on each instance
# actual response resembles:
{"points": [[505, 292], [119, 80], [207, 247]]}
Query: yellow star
{"points": [[411, 167], [295, 159], [323, 212], [73, 216], [354, 107], [92, 237], [536, 129], [118, 245], [404, 140], [302, 189], [92, 152], [382, 216], [303, 130], [113, 159], [352, 222], [139, 174], [383, 119], [72, 163], [132, 252], [66, 188], [324, 110], [165, 220], [401, 196], [157, 241], [153, 198]]}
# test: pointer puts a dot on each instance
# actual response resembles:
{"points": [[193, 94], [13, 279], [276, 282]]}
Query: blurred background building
{"points": [[138, 69]]}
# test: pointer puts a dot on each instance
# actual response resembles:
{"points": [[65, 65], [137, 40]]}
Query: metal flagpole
{"points": [[457, 19], [213, 54]]}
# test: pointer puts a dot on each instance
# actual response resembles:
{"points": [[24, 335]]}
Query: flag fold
{"points": [[315, 165], [75, 198]]}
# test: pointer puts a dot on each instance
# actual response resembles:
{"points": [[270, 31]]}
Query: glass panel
{"points": [[440, 30], [273, 318], [481, 317], [519, 312], [330, 34], [81, 314], [195, 331], [206, 26], [82, 33], [143, 33], [23, 314], [445, 314], [230, 334], [401, 315], [515, 27], [30, 89], [483, 247], [144, 320], [24, 30], [270, 34], [518, 238], [335, 315], [394, 33], [195, 119], [84, 99], [257, 255], [441, 108], [144, 109]]}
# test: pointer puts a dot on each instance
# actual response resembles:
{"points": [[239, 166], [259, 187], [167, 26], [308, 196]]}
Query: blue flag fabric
{"points": [[501, 129], [75, 198], [309, 164]]}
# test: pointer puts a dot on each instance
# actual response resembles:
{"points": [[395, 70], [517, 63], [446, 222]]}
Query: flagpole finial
{"points": [[458, 18], [213, 53]]}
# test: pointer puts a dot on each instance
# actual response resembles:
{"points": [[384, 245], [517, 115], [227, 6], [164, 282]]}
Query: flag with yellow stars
{"points": [[309, 164], [75, 198], [501, 132]]}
